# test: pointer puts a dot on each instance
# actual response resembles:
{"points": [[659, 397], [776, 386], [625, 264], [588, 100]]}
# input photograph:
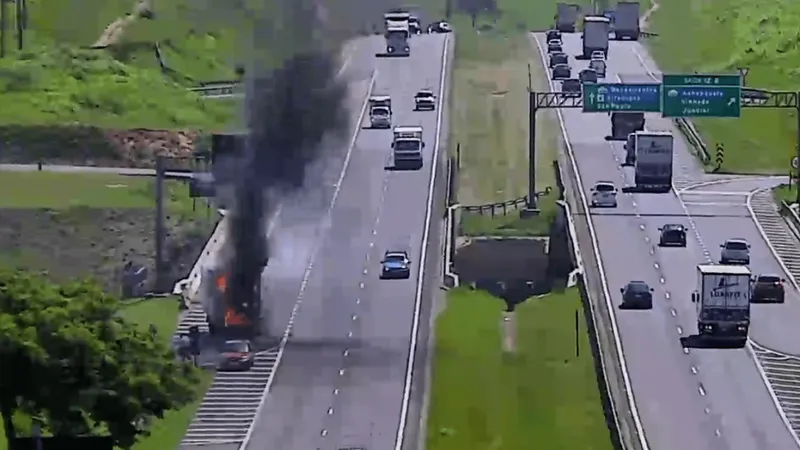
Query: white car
{"points": [[735, 251], [604, 195], [598, 55]]}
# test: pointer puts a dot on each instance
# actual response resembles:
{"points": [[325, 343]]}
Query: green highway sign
{"points": [[611, 97], [699, 95]]}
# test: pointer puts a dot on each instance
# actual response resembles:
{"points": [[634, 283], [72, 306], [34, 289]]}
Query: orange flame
{"points": [[232, 318], [222, 282]]}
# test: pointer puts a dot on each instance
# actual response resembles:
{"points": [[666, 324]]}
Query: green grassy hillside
{"points": [[719, 36], [57, 78]]}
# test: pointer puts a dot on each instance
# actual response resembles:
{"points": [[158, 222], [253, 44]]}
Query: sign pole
{"points": [[797, 148], [532, 201]]}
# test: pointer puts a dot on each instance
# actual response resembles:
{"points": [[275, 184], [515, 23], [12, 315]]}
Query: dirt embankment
{"points": [[96, 242], [84, 145]]}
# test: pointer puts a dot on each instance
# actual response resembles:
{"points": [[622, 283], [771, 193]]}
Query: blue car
{"points": [[395, 265]]}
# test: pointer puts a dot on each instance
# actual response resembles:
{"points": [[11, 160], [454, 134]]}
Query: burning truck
{"points": [[233, 300], [228, 316]]}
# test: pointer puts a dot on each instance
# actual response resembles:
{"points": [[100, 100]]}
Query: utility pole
{"points": [[20, 31], [159, 225], [3, 27]]}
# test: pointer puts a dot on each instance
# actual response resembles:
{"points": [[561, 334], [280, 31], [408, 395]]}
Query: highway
{"points": [[341, 379], [231, 403], [687, 398]]}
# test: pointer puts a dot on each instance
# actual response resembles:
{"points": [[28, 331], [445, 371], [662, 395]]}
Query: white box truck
{"points": [[722, 299], [653, 164], [407, 147]]}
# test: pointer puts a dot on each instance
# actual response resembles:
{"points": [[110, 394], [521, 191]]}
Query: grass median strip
{"points": [[540, 396], [489, 116]]}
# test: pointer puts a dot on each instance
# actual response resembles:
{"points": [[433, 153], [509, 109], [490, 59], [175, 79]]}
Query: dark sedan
{"points": [[768, 288], [637, 295], [236, 355], [672, 235]]}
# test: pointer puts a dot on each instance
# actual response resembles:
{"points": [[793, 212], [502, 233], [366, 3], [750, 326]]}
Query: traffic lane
{"points": [[359, 58], [670, 408], [297, 218], [742, 402], [629, 69], [736, 430], [304, 383], [370, 399], [736, 398], [666, 395], [698, 198], [303, 391], [772, 326], [297, 225], [738, 186]]}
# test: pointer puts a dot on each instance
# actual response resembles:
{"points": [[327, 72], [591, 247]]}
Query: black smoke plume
{"points": [[292, 101]]}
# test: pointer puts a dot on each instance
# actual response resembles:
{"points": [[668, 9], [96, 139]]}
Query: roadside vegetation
{"points": [[489, 118], [163, 313], [113, 334], [720, 36], [534, 393], [101, 68], [785, 193], [73, 225]]}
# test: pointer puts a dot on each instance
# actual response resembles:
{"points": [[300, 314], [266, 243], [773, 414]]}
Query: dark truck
{"points": [[625, 123], [397, 41], [595, 35], [626, 21], [567, 17]]}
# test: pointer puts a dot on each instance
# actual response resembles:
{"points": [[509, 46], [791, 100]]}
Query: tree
{"points": [[69, 359]]}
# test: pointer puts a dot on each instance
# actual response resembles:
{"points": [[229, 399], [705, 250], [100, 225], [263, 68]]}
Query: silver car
{"points": [[380, 117], [735, 251], [604, 195]]}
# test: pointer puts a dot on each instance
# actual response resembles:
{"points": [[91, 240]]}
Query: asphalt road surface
{"points": [[341, 381], [695, 399], [294, 226]]}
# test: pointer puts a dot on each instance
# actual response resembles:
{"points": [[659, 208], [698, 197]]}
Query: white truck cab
{"points": [[407, 145], [380, 111]]}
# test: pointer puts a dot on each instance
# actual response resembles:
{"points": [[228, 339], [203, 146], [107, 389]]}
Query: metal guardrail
{"points": [[451, 278], [225, 89], [790, 214], [495, 209], [688, 129]]}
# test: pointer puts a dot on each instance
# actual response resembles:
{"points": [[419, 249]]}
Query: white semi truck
{"points": [[653, 162], [407, 147], [722, 299], [396, 18]]}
